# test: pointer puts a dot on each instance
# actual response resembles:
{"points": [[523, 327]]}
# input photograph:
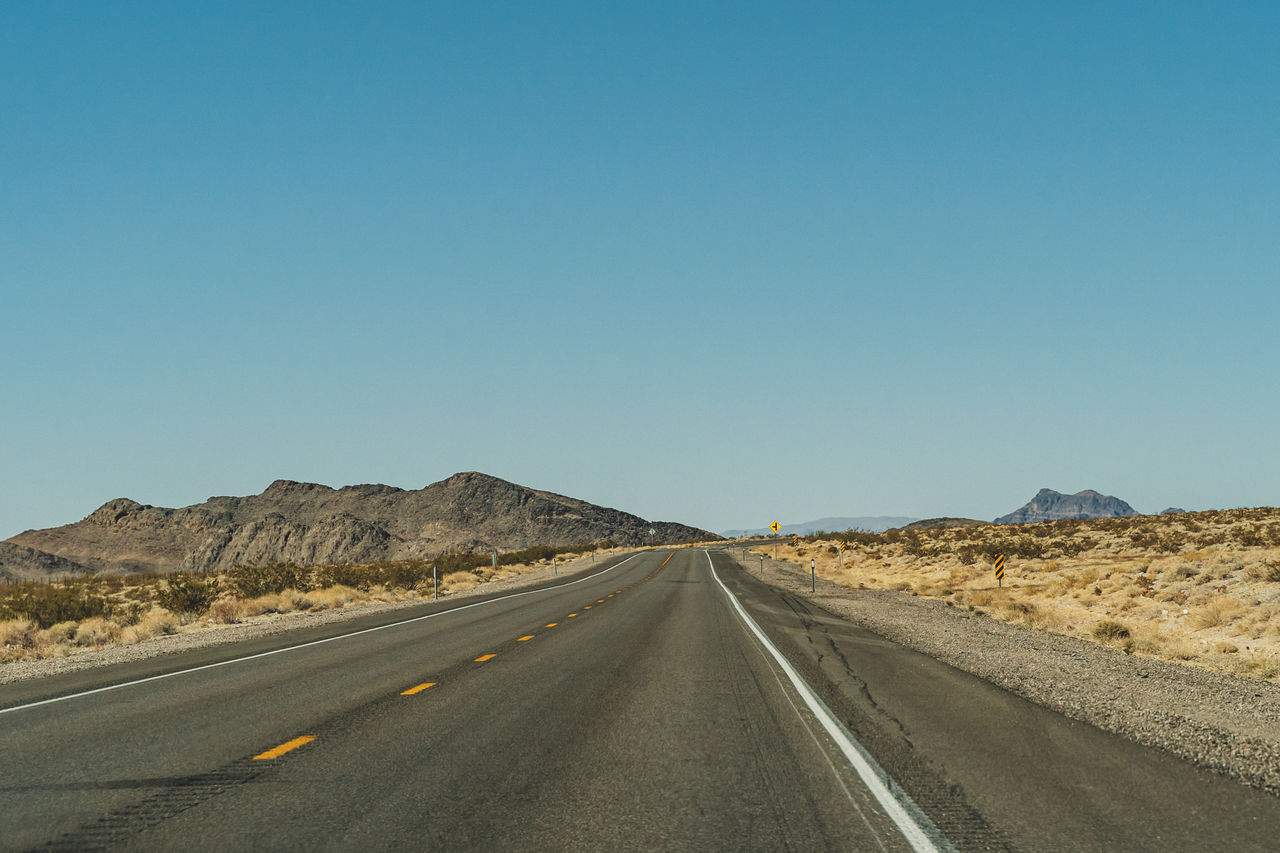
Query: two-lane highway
{"points": [[666, 701]]}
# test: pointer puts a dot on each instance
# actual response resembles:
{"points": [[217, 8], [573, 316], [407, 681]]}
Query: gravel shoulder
{"points": [[252, 628], [1226, 724]]}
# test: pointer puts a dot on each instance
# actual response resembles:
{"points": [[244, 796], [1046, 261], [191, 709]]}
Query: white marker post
{"points": [[435, 585], [813, 575]]}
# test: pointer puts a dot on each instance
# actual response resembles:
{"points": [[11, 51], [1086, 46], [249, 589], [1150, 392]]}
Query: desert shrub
{"points": [[1108, 631], [227, 611], [1065, 547], [450, 563], [1251, 537], [96, 632], [254, 581], [184, 593], [153, 624], [532, 554], [1220, 610], [408, 575], [49, 604], [361, 577], [1268, 571]]}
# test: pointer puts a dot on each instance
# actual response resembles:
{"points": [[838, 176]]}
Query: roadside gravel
{"points": [[199, 636], [1220, 722]]}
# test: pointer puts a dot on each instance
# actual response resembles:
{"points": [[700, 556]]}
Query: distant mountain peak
{"points": [[1050, 505], [287, 487]]}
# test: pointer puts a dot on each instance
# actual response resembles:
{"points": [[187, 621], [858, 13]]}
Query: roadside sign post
{"points": [[840, 552], [1000, 570], [775, 527]]}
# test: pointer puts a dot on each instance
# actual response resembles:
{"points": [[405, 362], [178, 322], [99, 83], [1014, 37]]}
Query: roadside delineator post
{"points": [[435, 585], [813, 575], [762, 565]]}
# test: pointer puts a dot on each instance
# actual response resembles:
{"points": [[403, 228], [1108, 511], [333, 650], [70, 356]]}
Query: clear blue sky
{"points": [[713, 263]]}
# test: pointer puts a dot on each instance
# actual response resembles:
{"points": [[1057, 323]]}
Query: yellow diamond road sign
{"points": [[775, 527]]}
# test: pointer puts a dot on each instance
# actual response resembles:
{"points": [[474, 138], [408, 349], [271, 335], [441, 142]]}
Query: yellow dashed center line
{"points": [[525, 637], [588, 607], [484, 658], [610, 595], [552, 624], [571, 615], [421, 687], [599, 601], [284, 747], [668, 560]]}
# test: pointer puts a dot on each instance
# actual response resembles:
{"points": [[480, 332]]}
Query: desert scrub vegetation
{"points": [[1202, 588], [56, 618]]}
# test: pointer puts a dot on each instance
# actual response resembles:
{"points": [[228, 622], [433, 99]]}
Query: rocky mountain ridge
{"points": [[1049, 505], [308, 523]]}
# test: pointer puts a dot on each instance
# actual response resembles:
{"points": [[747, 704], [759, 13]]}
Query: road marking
{"points": [[284, 747], [484, 658], [571, 615], [308, 645], [900, 809], [552, 624], [421, 687], [601, 600], [610, 595], [668, 560], [525, 637]]}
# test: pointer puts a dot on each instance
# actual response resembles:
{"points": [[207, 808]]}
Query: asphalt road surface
{"points": [[667, 701]]}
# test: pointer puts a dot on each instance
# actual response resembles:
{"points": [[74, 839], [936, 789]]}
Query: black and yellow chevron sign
{"points": [[842, 546], [1000, 567]]}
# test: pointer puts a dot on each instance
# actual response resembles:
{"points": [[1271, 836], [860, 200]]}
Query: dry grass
{"points": [[1203, 588]]}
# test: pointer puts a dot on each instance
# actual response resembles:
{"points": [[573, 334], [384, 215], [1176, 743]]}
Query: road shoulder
{"points": [[1222, 723]]}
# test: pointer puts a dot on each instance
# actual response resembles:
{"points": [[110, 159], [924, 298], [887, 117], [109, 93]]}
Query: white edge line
{"points": [[308, 644], [915, 834]]}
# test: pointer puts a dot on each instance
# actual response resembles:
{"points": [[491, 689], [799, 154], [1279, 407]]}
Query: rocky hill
{"points": [[944, 522], [307, 523], [18, 563], [1049, 505]]}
